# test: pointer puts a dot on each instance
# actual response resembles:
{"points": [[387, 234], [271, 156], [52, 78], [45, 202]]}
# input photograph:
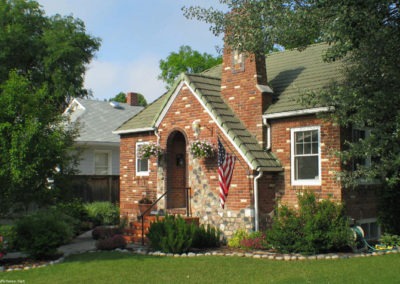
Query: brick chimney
{"points": [[132, 99], [244, 88]]}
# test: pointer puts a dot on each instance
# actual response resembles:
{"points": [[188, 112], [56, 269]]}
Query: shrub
{"points": [[390, 240], [317, 227], [41, 233], [237, 237], [389, 209], [101, 232], [255, 240], [103, 213], [206, 237], [171, 234], [9, 237], [111, 243]]}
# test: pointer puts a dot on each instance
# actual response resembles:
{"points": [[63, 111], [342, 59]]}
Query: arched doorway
{"points": [[176, 171]]}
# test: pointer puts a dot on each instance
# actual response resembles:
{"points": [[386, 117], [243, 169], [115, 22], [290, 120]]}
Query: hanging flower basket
{"points": [[148, 150], [202, 149]]}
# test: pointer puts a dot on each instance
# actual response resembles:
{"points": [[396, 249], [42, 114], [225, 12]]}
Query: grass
{"points": [[114, 267]]}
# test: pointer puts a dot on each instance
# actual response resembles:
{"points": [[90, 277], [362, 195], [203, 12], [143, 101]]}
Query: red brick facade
{"points": [[178, 170]]}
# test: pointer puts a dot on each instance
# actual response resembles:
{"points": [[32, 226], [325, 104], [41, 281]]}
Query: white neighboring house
{"points": [[98, 146]]}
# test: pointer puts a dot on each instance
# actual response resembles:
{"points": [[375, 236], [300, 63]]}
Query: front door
{"points": [[176, 171]]}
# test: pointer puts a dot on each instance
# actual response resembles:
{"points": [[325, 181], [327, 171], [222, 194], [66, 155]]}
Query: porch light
{"points": [[196, 127]]}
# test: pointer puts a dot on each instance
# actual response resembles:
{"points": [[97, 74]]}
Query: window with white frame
{"points": [[142, 165], [102, 162], [305, 156]]}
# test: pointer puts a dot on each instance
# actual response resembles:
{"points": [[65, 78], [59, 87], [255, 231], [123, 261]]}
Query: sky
{"points": [[135, 36]]}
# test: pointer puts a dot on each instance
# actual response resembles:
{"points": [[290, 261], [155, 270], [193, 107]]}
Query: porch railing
{"points": [[188, 208]]}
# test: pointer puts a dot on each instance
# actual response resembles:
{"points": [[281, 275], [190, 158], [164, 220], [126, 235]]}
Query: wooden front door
{"points": [[176, 171]]}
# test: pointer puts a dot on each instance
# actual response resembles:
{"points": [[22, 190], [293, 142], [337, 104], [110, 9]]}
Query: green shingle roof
{"points": [[294, 72]]}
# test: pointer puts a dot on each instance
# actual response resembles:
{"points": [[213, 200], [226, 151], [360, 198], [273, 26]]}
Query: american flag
{"points": [[226, 163]]}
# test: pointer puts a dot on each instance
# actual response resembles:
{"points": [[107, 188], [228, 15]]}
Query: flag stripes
{"points": [[226, 164]]}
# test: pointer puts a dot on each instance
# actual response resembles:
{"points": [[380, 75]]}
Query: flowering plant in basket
{"points": [[151, 149], [202, 149]]}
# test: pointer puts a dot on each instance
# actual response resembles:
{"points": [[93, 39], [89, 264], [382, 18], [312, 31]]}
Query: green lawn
{"points": [[114, 267]]}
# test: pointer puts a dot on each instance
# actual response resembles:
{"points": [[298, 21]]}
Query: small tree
{"points": [[186, 60], [121, 98]]}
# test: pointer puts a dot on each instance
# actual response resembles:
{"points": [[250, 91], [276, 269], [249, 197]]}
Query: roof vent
{"points": [[115, 105]]}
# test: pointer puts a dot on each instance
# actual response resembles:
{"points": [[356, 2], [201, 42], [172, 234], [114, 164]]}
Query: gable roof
{"points": [[97, 119], [290, 73]]}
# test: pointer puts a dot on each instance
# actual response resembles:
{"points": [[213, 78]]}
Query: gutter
{"points": [[256, 221]]}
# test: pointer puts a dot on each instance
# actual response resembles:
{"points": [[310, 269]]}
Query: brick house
{"points": [[250, 104]]}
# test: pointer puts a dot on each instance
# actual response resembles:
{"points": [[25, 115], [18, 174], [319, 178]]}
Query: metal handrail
{"points": [[147, 210], [188, 208]]}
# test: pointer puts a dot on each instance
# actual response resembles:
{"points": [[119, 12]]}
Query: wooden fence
{"points": [[95, 188]]}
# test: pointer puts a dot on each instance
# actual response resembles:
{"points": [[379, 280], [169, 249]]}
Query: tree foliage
{"points": [[186, 60], [364, 34], [42, 61], [121, 98]]}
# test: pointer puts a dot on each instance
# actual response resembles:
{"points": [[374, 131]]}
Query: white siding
{"points": [[86, 164]]}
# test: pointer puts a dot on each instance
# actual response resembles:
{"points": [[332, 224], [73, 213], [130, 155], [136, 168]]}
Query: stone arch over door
{"points": [[176, 170]]}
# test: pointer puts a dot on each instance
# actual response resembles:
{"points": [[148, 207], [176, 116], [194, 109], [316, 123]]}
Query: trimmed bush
{"points": [[206, 237], [103, 213], [171, 234], [317, 227], [111, 243], [101, 233], [41, 233]]}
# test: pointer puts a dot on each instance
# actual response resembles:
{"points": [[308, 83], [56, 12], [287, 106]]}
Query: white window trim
{"points": [[109, 153], [141, 173], [292, 164]]}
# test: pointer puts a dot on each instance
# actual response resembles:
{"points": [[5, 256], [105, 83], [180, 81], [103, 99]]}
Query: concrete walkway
{"points": [[82, 243]]}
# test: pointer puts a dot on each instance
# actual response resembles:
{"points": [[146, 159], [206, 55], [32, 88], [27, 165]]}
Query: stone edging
{"points": [[256, 254]]}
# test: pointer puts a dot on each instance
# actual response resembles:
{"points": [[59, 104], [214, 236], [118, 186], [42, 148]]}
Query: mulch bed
{"points": [[22, 262]]}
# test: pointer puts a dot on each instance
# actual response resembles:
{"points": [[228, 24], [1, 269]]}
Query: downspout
{"points": [[157, 135], [256, 226], [265, 122]]}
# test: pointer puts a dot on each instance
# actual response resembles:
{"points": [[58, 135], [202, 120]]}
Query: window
{"points": [[102, 162], [371, 228], [356, 136], [305, 158], [142, 165]]}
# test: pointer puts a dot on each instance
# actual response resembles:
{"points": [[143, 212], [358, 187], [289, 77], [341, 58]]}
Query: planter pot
{"points": [[143, 208]]}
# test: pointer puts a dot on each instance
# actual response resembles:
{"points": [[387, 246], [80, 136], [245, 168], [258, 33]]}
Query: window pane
{"points": [[299, 149], [307, 148], [101, 163], [307, 136], [315, 148], [306, 167], [299, 137], [142, 165]]}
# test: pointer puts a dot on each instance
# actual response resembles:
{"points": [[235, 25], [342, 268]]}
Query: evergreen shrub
{"points": [[317, 227], [206, 237], [41, 233], [171, 234]]}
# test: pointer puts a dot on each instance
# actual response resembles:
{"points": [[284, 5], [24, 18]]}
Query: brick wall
{"points": [[281, 146], [133, 187]]}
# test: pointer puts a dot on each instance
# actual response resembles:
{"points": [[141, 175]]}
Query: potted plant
{"points": [[144, 204], [148, 150], [202, 149]]}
